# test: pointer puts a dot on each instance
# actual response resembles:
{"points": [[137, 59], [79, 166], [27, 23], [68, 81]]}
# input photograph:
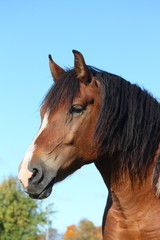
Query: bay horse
{"points": [[88, 116]]}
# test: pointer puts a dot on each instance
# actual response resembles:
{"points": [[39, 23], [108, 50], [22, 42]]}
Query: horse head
{"points": [[65, 139]]}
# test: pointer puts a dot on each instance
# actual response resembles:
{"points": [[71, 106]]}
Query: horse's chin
{"points": [[42, 195], [46, 191]]}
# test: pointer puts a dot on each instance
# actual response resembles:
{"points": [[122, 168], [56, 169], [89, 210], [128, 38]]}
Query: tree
{"points": [[21, 218], [85, 230], [71, 233]]}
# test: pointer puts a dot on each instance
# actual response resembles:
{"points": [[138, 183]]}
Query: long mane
{"points": [[128, 125]]}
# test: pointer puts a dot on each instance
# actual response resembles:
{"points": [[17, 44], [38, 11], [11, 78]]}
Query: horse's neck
{"points": [[133, 202], [126, 193], [129, 200], [133, 212], [104, 170]]}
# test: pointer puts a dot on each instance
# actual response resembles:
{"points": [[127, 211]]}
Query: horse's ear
{"points": [[81, 68], [56, 70]]}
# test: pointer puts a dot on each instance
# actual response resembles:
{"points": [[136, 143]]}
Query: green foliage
{"points": [[21, 218]]}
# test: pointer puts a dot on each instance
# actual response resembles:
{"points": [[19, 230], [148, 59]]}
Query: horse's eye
{"points": [[77, 109]]}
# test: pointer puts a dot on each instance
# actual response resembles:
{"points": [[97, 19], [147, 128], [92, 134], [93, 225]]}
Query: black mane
{"points": [[128, 125]]}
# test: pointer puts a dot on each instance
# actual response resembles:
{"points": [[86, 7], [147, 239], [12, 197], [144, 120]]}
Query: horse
{"points": [[93, 116]]}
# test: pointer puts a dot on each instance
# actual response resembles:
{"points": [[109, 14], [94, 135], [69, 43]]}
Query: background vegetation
{"points": [[23, 218], [85, 230]]}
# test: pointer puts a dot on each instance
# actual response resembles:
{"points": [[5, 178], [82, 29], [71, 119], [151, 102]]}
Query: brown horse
{"points": [[91, 115]]}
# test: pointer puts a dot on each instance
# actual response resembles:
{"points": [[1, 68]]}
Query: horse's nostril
{"points": [[34, 173], [37, 176]]}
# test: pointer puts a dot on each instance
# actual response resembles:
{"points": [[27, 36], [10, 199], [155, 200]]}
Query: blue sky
{"points": [[122, 37]]}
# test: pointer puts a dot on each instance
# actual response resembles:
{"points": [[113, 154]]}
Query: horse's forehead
{"points": [[90, 92], [58, 115], [43, 110], [86, 92], [85, 95]]}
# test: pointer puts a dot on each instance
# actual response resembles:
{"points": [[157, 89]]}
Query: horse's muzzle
{"points": [[41, 182], [45, 192]]}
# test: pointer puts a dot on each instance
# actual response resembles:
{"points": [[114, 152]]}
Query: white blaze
{"points": [[24, 173]]}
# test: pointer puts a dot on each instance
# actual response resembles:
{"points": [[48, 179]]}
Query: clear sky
{"points": [[122, 37]]}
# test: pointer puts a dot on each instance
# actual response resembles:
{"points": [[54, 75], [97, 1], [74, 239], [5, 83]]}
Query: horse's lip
{"points": [[42, 195], [45, 192]]}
